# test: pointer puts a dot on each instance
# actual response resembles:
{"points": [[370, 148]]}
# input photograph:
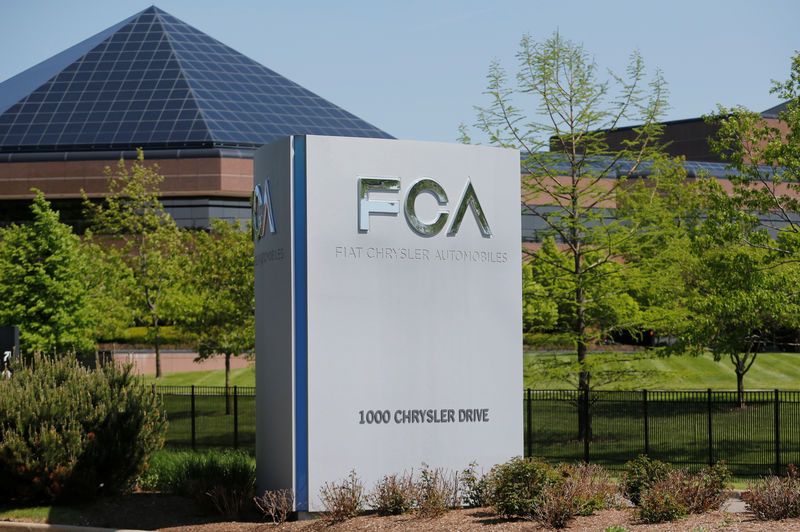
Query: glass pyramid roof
{"points": [[153, 81]]}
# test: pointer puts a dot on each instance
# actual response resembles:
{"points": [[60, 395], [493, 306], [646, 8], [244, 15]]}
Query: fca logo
{"points": [[262, 211], [263, 215], [367, 206]]}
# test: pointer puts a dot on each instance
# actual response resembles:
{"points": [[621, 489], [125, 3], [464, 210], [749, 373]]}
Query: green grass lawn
{"points": [[239, 377], [638, 371], [40, 514], [644, 370]]}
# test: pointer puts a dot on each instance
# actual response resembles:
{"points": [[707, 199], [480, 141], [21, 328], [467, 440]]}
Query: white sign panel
{"points": [[388, 317]]}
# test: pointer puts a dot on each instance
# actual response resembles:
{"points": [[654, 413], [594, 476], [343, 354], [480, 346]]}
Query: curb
{"points": [[20, 526]]}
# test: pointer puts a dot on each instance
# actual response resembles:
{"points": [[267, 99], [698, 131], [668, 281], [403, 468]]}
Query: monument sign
{"points": [[388, 309]]}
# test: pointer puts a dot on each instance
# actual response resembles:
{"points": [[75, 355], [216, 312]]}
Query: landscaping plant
{"points": [[660, 503], [392, 495], [706, 490], [516, 485], [222, 479], [69, 432], [276, 504], [580, 489], [640, 474], [681, 493], [435, 491], [475, 488], [594, 489], [557, 503], [774, 498], [343, 500]]}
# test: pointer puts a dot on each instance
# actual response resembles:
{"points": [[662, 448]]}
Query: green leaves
{"points": [[219, 295], [140, 235], [744, 287], [577, 281], [764, 156], [45, 284], [739, 297], [67, 432]]}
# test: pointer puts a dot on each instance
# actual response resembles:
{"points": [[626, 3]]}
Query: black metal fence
{"points": [[204, 416], [691, 429]]}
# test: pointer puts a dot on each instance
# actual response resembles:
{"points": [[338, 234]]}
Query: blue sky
{"points": [[416, 68]]}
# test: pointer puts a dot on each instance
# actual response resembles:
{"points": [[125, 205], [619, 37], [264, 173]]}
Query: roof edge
{"points": [[116, 155]]}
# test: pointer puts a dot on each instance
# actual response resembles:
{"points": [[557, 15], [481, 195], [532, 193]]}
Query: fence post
{"points": [[586, 425], [646, 427], [529, 416], [710, 434], [235, 418], [777, 433], [193, 416]]}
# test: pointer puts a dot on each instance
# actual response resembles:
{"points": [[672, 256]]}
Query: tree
{"points": [[573, 187], [44, 284], [138, 232], [763, 209], [738, 297], [111, 292], [667, 211], [219, 299], [539, 313], [748, 286]]}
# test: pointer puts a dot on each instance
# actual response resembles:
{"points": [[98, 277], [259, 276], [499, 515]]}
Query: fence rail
{"points": [[688, 428], [204, 416], [692, 429]]}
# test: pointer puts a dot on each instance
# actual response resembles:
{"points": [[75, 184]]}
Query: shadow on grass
{"points": [[148, 511]]}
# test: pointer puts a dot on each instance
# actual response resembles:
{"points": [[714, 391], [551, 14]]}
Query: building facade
{"points": [[197, 108]]}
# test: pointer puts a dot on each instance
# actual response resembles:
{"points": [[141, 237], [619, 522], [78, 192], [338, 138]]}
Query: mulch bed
{"points": [[148, 511]]}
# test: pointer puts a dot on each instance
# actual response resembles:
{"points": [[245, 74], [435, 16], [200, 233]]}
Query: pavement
{"points": [[735, 504], [17, 526]]}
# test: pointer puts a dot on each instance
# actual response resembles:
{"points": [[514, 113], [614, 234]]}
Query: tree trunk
{"points": [[157, 345], [742, 362], [584, 416], [228, 408], [740, 388]]}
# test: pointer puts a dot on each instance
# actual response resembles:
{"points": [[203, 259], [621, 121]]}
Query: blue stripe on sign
{"points": [[300, 325]]}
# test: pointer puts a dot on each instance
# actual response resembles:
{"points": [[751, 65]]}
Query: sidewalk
{"points": [[42, 527]]}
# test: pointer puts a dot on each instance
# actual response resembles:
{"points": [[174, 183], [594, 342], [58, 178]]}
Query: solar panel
{"points": [[157, 82]]}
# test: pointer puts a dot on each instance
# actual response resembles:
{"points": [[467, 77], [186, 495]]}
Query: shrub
{"points": [[657, 505], [69, 432], [393, 495], [343, 500], [581, 490], [773, 498], [435, 492], [557, 503], [224, 480], [276, 504], [161, 471], [705, 490], [516, 484], [475, 487], [682, 493], [594, 489], [640, 474]]}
